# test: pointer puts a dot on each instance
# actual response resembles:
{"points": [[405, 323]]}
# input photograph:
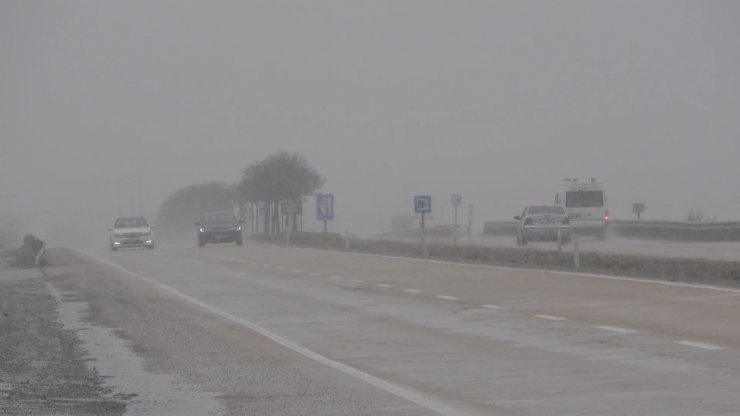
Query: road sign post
{"points": [[470, 220], [423, 205], [456, 200], [325, 209], [638, 208]]}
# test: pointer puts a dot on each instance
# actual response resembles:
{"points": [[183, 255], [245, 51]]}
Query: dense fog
{"points": [[107, 108]]}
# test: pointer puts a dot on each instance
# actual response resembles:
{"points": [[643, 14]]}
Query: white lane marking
{"points": [[617, 329], [358, 281], [335, 277], [422, 399], [267, 265], [412, 290], [445, 297], [254, 263], [522, 269], [383, 285], [296, 271], [280, 267], [493, 307], [315, 274], [710, 347], [551, 318]]}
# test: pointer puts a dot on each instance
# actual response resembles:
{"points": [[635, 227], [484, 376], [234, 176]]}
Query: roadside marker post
{"points": [[576, 251], [423, 205], [455, 200]]}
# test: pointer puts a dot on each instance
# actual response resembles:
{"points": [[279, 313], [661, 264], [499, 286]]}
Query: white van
{"points": [[585, 204]]}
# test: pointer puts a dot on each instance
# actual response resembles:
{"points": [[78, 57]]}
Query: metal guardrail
{"points": [[666, 230], [681, 231]]}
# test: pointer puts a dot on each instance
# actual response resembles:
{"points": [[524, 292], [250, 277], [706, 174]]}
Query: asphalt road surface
{"points": [[269, 330]]}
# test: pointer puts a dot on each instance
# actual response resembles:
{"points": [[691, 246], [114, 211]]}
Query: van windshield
{"points": [[584, 199]]}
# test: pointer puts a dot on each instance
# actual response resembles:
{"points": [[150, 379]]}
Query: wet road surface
{"points": [[274, 330]]}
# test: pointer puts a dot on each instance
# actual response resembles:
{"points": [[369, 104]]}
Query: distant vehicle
{"points": [[131, 232], [585, 204], [542, 222], [219, 227]]}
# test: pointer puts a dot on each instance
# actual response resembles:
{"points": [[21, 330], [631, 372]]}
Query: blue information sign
{"points": [[422, 204], [325, 207]]}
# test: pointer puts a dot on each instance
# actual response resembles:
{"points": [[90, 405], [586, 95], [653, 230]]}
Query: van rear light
{"points": [[528, 221], [566, 221], [606, 216]]}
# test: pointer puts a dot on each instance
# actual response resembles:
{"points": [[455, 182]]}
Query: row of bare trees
{"points": [[273, 190], [270, 195]]}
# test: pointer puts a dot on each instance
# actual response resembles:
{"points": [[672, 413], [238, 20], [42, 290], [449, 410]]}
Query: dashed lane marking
{"points": [[493, 307], [445, 297], [415, 291], [617, 329], [551, 318], [383, 285], [704, 346]]}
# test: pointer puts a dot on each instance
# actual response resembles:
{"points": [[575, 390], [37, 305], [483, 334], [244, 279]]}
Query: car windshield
{"points": [[546, 209], [584, 199], [219, 218], [131, 223]]}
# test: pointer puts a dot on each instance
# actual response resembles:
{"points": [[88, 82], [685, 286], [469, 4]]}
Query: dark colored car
{"points": [[219, 227]]}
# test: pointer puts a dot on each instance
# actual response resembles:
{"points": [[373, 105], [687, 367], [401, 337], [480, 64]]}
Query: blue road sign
{"points": [[422, 204], [325, 207]]}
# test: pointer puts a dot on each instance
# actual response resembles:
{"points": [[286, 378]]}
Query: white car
{"points": [[542, 222], [131, 232]]}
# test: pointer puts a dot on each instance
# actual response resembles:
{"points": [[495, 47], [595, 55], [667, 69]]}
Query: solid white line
{"points": [[710, 347], [358, 281], [493, 307], [550, 317], [383, 285], [445, 297], [617, 329], [412, 290], [522, 269], [419, 398], [335, 277]]}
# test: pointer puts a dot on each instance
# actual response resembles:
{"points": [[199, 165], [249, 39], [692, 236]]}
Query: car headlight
{"points": [[201, 230]]}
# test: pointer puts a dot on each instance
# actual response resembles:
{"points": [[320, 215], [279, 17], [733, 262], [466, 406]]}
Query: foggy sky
{"points": [[108, 107]]}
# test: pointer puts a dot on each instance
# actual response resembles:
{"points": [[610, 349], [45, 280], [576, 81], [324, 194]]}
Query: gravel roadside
{"points": [[43, 367]]}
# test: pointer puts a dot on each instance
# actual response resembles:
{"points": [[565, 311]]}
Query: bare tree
{"points": [[281, 180]]}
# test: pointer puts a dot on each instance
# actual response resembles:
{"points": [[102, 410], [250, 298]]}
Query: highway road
{"points": [[262, 329]]}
